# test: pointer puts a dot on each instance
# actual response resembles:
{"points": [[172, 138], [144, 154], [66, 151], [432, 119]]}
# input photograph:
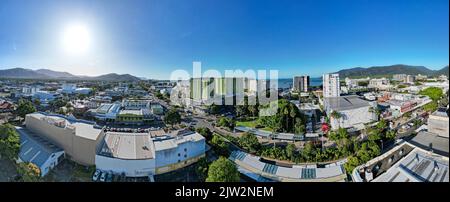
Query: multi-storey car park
{"points": [[130, 153]]}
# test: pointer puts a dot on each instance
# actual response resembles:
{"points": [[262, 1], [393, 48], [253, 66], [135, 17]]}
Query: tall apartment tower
{"points": [[300, 83], [410, 79], [331, 85]]}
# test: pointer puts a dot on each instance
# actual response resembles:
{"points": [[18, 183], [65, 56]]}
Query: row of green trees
{"points": [[436, 95], [226, 122], [346, 146]]}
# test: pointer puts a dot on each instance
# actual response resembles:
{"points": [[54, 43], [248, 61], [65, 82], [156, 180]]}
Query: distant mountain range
{"points": [[377, 71], [388, 71], [22, 73]]}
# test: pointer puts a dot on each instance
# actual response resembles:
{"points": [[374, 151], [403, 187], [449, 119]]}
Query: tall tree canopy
{"points": [[286, 118], [222, 170], [9, 142], [25, 107], [172, 117]]}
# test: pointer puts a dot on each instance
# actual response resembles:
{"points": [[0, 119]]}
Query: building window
{"points": [[185, 149], [179, 154]]}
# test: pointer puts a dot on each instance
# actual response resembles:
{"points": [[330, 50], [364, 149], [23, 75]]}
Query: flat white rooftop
{"points": [[82, 128], [417, 166], [170, 143], [127, 146]]}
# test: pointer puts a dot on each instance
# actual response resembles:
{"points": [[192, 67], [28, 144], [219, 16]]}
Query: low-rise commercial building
{"points": [[399, 77], [412, 161], [140, 154], [136, 116], [84, 91], [381, 84], [134, 154], [178, 149], [45, 96], [37, 150], [77, 138], [106, 112], [396, 104], [136, 104], [130, 153], [352, 111], [438, 123], [421, 77]]}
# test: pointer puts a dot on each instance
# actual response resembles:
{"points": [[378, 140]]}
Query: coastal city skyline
{"points": [[152, 38]]}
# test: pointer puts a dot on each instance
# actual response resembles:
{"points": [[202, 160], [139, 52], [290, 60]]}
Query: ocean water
{"points": [[287, 83]]}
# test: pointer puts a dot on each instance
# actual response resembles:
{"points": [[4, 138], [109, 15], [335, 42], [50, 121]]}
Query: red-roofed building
{"points": [[6, 106]]}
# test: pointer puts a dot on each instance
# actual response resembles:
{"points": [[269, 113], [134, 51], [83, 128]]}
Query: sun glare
{"points": [[76, 39]]}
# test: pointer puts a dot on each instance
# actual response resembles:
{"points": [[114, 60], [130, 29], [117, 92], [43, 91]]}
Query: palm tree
{"points": [[286, 113], [375, 110], [293, 114], [336, 115], [390, 134], [253, 109]]}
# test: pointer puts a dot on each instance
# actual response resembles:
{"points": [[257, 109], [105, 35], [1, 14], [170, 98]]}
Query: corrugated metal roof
{"points": [[35, 149]]}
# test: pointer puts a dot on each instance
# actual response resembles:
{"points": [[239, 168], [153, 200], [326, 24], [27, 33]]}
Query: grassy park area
{"points": [[252, 124]]}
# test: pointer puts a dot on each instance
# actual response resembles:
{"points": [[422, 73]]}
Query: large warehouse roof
{"points": [[345, 103]]}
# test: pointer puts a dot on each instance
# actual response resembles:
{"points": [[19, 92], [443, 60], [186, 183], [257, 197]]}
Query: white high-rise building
{"points": [[410, 79], [331, 85]]}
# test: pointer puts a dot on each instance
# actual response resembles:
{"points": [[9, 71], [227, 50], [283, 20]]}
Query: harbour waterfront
{"points": [[287, 82]]}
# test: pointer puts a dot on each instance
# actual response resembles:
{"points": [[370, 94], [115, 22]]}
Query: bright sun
{"points": [[76, 39]]}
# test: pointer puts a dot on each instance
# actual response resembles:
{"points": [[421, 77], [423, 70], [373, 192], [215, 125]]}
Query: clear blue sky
{"points": [[152, 38]]}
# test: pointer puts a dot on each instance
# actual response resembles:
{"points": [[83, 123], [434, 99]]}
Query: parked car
{"points": [[109, 178], [103, 177], [96, 175]]}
